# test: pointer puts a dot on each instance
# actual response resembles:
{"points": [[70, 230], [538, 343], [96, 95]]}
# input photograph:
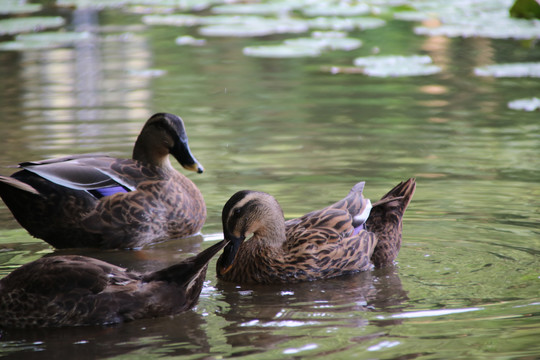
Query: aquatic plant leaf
{"points": [[339, 9], [412, 16], [29, 24], [189, 40], [526, 9], [391, 60], [531, 104], [326, 43], [255, 8], [402, 70], [16, 7], [55, 37], [509, 70], [281, 51], [396, 65], [173, 20], [255, 27], [342, 23], [502, 29], [44, 40]]}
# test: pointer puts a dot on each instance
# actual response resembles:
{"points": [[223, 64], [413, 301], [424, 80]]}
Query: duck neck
{"points": [[273, 234], [150, 155]]}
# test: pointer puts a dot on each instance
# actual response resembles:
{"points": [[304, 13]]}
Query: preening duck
{"points": [[99, 201], [348, 236], [77, 290]]}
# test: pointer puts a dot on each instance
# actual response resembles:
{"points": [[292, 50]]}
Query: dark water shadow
{"points": [[255, 312], [183, 335]]}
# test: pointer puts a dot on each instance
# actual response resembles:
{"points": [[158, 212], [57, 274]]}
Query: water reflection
{"points": [[258, 316], [183, 335]]}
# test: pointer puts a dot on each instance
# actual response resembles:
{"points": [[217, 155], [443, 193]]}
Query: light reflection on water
{"points": [[468, 270]]}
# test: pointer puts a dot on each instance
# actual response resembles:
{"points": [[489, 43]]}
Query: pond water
{"points": [[466, 284]]}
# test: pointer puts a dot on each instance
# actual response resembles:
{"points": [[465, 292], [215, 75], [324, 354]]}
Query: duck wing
{"points": [[385, 221], [89, 172]]}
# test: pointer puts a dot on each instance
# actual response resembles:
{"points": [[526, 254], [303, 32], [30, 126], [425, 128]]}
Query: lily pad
{"points": [[44, 40], [259, 27], [189, 40], [16, 7], [29, 24], [173, 20], [281, 51], [501, 29], [326, 43], [392, 60], [531, 104], [397, 66], [340, 9], [256, 8], [412, 16], [509, 70], [342, 23], [402, 70]]}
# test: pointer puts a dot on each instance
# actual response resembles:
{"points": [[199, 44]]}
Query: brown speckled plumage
{"points": [[99, 201], [77, 290], [322, 244]]}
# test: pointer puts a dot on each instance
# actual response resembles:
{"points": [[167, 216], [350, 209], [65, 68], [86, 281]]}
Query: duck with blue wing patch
{"points": [[94, 200]]}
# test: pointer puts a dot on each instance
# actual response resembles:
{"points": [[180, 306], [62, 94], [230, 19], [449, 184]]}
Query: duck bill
{"points": [[182, 153], [226, 260]]}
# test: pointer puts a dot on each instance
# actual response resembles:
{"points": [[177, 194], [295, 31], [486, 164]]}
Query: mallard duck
{"points": [[99, 201], [75, 290], [345, 237]]}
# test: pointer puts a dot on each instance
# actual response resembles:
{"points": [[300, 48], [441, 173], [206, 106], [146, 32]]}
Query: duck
{"points": [[75, 290], [99, 201], [348, 236]]}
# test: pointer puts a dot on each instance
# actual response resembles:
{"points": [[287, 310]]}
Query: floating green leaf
{"points": [[281, 51], [45, 40], [509, 70], [391, 60], [397, 65], [29, 24], [403, 70], [17, 7], [326, 43], [339, 9], [256, 8], [527, 9], [189, 40], [343, 23], [531, 104], [261, 27]]}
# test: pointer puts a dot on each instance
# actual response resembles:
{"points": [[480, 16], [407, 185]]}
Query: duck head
{"points": [[250, 212], [165, 134]]}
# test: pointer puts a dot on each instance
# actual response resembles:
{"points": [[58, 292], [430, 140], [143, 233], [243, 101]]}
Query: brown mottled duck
{"points": [[99, 201], [349, 236], [76, 290]]}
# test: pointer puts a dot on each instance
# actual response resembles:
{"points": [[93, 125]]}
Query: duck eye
{"points": [[237, 211]]}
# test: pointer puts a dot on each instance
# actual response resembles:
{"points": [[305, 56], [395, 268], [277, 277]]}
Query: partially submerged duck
{"points": [[349, 236], [76, 290], [99, 201]]}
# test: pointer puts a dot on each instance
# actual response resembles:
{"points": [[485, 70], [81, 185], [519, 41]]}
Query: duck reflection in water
{"points": [[258, 314]]}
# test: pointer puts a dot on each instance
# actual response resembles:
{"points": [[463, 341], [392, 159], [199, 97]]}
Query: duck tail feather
{"points": [[187, 270], [385, 221], [11, 182]]}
